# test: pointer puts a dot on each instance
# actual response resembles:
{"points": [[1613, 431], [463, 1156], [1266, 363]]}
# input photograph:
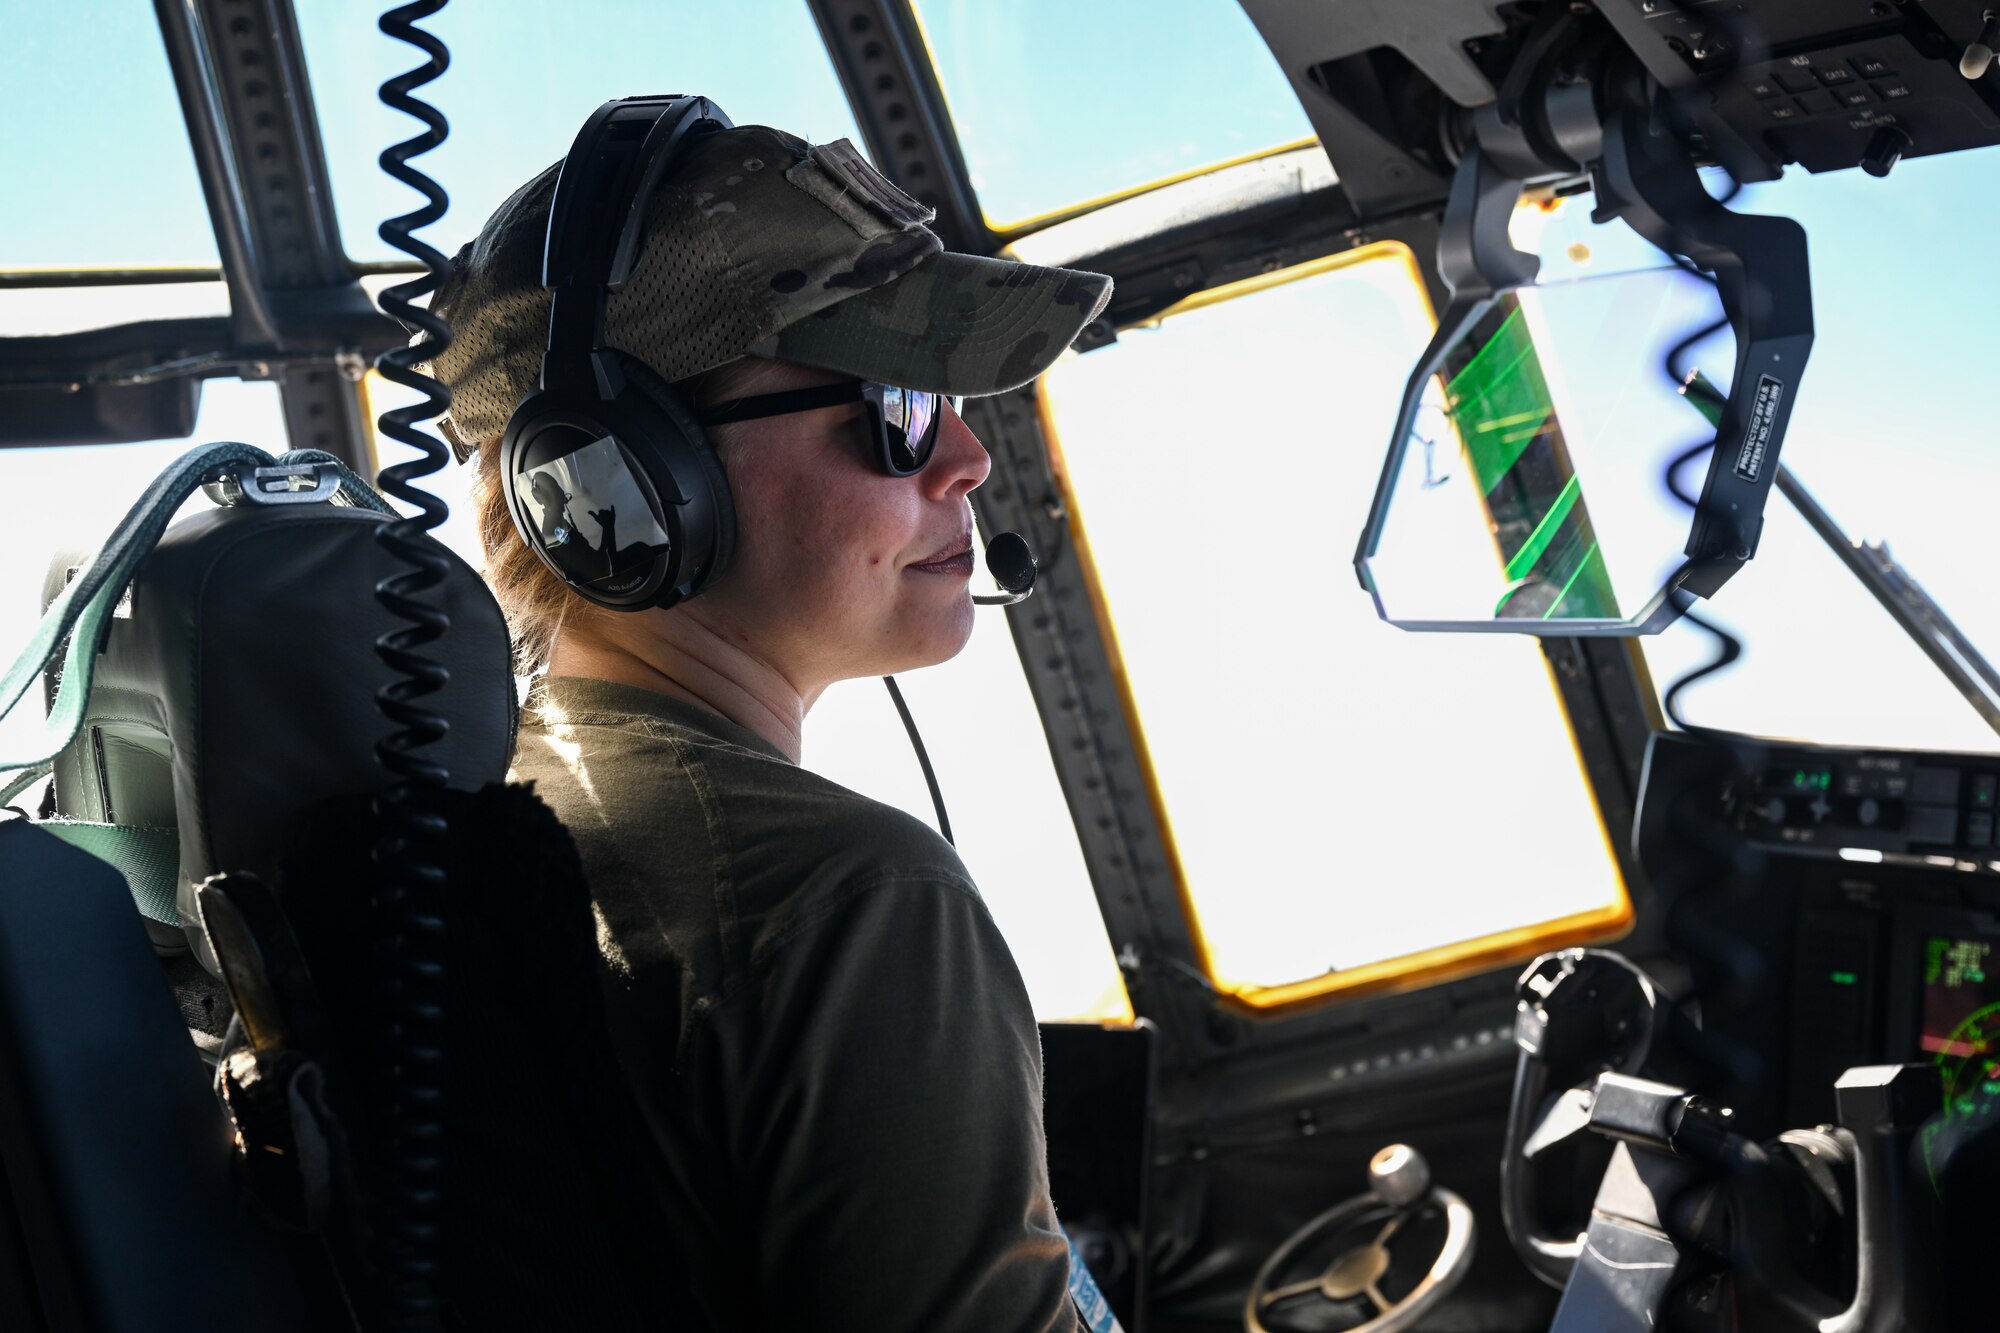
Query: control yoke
{"points": [[1687, 1206], [1582, 1012]]}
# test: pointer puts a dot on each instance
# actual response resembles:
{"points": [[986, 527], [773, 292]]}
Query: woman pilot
{"points": [[827, 1030]]}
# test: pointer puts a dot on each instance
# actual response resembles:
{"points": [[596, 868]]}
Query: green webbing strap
{"points": [[23, 780], [149, 858], [82, 611]]}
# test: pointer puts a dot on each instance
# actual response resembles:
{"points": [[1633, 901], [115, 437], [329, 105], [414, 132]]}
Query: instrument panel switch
{"points": [[1934, 786], [1932, 823], [1884, 151]]}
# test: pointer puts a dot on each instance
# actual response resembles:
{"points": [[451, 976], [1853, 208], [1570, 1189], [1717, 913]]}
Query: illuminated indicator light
{"points": [[1845, 978], [1867, 854]]}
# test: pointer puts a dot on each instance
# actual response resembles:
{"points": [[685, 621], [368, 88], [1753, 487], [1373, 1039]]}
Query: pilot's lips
{"points": [[954, 559]]}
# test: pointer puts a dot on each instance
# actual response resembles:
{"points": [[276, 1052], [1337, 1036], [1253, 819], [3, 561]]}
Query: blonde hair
{"points": [[538, 604]]}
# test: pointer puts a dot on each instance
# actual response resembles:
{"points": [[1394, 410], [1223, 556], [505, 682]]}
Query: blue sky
{"points": [[1046, 123], [1892, 428]]}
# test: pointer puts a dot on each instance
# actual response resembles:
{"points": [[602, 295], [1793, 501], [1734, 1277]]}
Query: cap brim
{"points": [[954, 324]]}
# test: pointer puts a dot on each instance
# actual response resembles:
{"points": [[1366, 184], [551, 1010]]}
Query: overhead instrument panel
{"points": [[1827, 84], [1388, 84]]}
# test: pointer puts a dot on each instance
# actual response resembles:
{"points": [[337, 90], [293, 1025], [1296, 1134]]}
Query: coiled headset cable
{"points": [[1714, 876], [407, 924]]}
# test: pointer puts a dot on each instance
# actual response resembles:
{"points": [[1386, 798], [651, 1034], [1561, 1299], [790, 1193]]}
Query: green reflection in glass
{"points": [[1506, 420]]}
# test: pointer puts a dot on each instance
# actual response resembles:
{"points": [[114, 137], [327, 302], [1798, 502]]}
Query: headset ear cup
{"points": [[547, 502], [722, 505]]}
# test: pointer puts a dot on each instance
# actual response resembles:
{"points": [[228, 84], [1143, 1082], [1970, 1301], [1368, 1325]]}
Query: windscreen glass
{"points": [[74, 497], [1056, 103], [1533, 485], [1893, 435], [523, 79], [99, 169], [1220, 464]]}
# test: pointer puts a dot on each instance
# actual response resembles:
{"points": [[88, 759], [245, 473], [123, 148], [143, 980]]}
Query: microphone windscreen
{"points": [[1010, 562]]}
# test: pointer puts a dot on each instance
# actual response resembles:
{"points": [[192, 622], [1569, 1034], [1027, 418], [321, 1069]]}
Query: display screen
{"points": [[1961, 1034], [1961, 997]]}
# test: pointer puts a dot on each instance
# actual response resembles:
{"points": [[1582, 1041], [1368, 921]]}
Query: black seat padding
{"points": [[550, 1185], [115, 1175], [241, 689]]}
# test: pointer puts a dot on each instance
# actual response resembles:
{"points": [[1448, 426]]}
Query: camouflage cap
{"points": [[760, 244]]}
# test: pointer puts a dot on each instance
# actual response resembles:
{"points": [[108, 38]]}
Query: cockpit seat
{"points": [[232, 727], [238, 689], [117, 1203]]}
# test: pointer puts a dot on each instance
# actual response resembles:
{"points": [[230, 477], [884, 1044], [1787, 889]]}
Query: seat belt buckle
{"points": [[279, 484]]}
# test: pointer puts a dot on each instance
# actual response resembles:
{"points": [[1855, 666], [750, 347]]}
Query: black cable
{"points": [[407, 926], [1680, 374], [1716, 877], [924, 759], [1728, 647]]}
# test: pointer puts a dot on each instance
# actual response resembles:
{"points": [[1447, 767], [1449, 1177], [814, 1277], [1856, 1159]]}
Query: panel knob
{"points": [[1885, 149]]}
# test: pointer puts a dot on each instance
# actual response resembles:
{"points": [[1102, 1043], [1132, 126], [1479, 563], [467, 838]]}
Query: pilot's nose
{"points": [[958, 464]]}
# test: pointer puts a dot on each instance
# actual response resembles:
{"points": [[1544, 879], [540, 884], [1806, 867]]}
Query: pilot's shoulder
{"points": [[831, 835], [811, 855]]}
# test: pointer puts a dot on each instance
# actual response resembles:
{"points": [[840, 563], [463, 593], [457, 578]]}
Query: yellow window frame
{"points": [[1426, 967], [1009, 231]]}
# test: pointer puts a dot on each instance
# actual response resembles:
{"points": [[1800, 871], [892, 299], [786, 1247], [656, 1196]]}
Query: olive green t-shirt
{"points": [[830, 1037]]}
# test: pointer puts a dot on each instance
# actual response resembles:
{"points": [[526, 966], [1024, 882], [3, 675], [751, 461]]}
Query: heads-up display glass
{"points": [[1532, 483]]}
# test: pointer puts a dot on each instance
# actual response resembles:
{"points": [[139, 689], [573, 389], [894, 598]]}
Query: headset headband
{"points": [[618, 157]]}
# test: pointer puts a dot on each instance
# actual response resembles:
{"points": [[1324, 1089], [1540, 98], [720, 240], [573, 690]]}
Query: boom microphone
{"points": [[1013, 567]]}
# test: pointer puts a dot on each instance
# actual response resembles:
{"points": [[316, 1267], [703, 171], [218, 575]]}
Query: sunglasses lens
{"points": [[910, 417]]}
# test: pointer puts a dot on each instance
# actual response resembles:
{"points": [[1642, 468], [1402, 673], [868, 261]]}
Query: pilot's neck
{"points": [[681, 656]]}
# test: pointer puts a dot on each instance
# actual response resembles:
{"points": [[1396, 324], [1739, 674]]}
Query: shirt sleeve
{"points": [[885, 1072]]}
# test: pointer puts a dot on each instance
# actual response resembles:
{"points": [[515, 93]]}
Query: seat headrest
{"points": [[240, 689]]}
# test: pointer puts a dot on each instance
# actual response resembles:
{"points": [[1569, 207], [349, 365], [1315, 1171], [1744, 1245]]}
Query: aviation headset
{"points": [[603, 438]]}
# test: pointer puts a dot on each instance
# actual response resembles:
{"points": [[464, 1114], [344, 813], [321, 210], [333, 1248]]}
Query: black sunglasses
{"points": [[903, 422]]}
